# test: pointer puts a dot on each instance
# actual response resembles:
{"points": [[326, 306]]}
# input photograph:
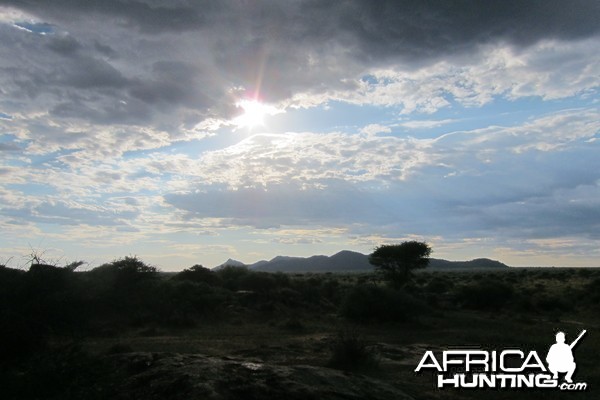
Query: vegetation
{"points": [[397, 261], [61, 329], [350, 352]]}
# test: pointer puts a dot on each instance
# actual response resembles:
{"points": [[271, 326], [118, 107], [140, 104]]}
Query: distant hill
{"points": [[478, 263], [350, 261], [230, 263], [344, 261]]}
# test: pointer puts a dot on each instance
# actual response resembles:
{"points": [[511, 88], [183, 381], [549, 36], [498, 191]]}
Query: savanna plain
{"points": [[125, 330]]}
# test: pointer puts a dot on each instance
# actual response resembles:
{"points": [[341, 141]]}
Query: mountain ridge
{"points": [[350, 261]]}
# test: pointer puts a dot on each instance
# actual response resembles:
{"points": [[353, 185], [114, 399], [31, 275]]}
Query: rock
{"points": [[192, 376]]}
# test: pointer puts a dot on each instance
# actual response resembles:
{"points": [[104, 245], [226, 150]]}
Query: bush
{"points": [[366, 303], [182, 303], [260, 282], [124, 290], [439, 285], [198, 274], [592, 293], [486, 294], [123, 274], [43, 301], [547, 302], [349, 352], [232, 276]]}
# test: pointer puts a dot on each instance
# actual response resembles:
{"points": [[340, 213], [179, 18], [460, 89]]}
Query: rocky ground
{"points": [[194, 376]]}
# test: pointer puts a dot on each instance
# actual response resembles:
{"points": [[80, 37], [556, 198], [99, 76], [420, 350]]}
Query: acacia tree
{"points": [[397, 261]]}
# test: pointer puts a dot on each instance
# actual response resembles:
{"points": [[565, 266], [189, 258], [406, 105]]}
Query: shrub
{"points": [[593, 292], [198, 274], [231, 276], [365, 303], [181, 303], [548, 302], [260, 282], [124, 289], [439, 285], [349, 352], [123, 273], [486, 294]]}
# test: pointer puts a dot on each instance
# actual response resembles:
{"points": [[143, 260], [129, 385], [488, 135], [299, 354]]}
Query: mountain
{"points": [[230, 263], [481, 263], [344, 261], [351, 261]]}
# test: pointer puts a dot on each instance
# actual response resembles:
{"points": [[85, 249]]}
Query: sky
{"points": [[190, 132]]}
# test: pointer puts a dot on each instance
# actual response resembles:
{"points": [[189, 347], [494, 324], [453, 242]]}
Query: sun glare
{"points": [[254, 113]]}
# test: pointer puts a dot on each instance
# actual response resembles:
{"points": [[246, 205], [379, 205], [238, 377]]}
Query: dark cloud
{"points": [[64, 45], [105, 50], [283, 48], [427, 28], [393, 24], [103, 110], [147, 16], [89, 73], [277, 48], [173, 83]]}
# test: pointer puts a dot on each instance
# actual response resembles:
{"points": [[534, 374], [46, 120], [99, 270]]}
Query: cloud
{"points": [[148, 18], [550, 132], [373, 129], [309, 157], [502, 182], [68, 213], [277, 204], [9, 147], [420, 55], [97, 96], [426, 124]]}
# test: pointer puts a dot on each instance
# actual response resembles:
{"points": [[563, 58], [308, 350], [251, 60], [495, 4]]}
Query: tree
{"points": [[397, 261], [198, 273]]}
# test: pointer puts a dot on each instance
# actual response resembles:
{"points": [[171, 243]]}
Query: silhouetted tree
{"points": [[198, 273], [397, 261]]}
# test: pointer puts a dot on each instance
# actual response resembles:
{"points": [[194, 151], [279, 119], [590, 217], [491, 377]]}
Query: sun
{"points": [[254, 113]]}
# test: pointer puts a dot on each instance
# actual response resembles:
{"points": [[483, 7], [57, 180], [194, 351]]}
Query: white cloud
{"points": [[550, 69], [373, 129], [550, 132], [426, 124], [309, 157]]}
